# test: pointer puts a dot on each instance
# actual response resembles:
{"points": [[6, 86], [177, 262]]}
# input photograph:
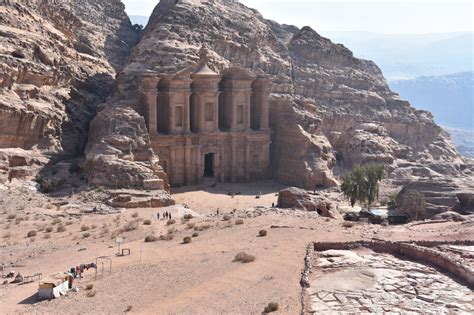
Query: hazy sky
{"points": [[380, 16]]}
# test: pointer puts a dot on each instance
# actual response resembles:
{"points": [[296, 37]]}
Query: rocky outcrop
{"points": [[296, 198], [329, 110], [119, 154], [58, 60]]}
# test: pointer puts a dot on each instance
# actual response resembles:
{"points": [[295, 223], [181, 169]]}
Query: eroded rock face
{"points": [[57, 63], [119, 154], [329, 110]]}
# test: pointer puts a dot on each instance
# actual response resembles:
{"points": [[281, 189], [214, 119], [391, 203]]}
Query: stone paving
{"points": [[362, 281]]}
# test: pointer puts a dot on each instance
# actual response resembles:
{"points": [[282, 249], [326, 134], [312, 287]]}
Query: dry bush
{"points": [[170, 222], [271, 307], [239, 221], [40, 227], [130, 226], [135, 215], [262, 233], [7, 235], [188, 216], [244, 257], [226, 217], [89, 287], [69, 223], [32, 239], [85, 228], [348, 224], [11, 216], [187, 240], [18, 220], [128, 309], [91, 293], [150, 239], [93, 226], [31, 233], [171, 230], [61, 228], [147, 222], [86, 235], [191, 225], [7, 226], [195, 234], [56, 221], [167, 237], [47, 236], [49, 229], [26, 218]]}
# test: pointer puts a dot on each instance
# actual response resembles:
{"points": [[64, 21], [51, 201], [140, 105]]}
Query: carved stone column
{"points": [[187, 118]]}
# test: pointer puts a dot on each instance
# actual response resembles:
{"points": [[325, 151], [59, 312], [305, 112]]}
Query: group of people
{"points": [[166, 215]]}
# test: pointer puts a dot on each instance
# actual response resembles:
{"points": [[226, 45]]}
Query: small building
{"points": [[54, 286]]}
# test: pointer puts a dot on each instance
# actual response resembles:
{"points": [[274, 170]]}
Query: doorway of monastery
{"points": [[209, 165]]}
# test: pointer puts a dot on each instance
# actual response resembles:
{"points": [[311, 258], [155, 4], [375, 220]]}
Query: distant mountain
{"points": [[450, 98], [139, 19], [464, 140], [408, 56]]}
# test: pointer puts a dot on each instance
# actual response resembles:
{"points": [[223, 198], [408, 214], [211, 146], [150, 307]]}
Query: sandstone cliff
{"points": [[58, 61], [329, 110]]}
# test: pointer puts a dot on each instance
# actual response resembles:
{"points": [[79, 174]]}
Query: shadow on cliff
{"points": [[117, 48], [63, 169]]}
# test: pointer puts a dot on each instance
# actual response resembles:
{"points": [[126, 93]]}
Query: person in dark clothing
{"points": [[158, 216], [169, 215]]}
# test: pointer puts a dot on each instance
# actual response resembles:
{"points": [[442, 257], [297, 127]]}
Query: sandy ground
{"points": [[168, 277]]}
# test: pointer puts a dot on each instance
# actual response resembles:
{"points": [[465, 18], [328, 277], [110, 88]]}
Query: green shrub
{"points": [[271, 307], [31, 233], [195, 234], [187, 240], [170, 222], [147, 222], [49, 229], [85, 228], [226, 217], [61, 228], [347, 224], [244, 257], [262, 233], [412, 203], [150, 239], [239, 221]]}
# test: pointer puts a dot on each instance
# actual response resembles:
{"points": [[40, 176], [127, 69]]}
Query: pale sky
{"points": [[379, 16]]}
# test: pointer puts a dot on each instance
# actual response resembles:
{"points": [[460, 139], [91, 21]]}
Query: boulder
{"points": [[296, 198], [450, 215]]}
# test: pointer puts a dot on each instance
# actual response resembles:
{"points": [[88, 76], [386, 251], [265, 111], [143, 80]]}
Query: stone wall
{"points": [[439, 259], [416, 250]]}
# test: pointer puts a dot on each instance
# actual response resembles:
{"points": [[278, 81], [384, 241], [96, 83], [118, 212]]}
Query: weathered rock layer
{"points": [[58, 60], [329, 110]]}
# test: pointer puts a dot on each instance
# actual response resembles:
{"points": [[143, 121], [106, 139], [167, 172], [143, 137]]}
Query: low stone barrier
{"points": [[416, 250], [439, 259]]}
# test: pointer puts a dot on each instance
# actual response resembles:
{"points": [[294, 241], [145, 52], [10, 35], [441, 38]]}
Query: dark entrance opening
{"points": [[209, 165]]}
